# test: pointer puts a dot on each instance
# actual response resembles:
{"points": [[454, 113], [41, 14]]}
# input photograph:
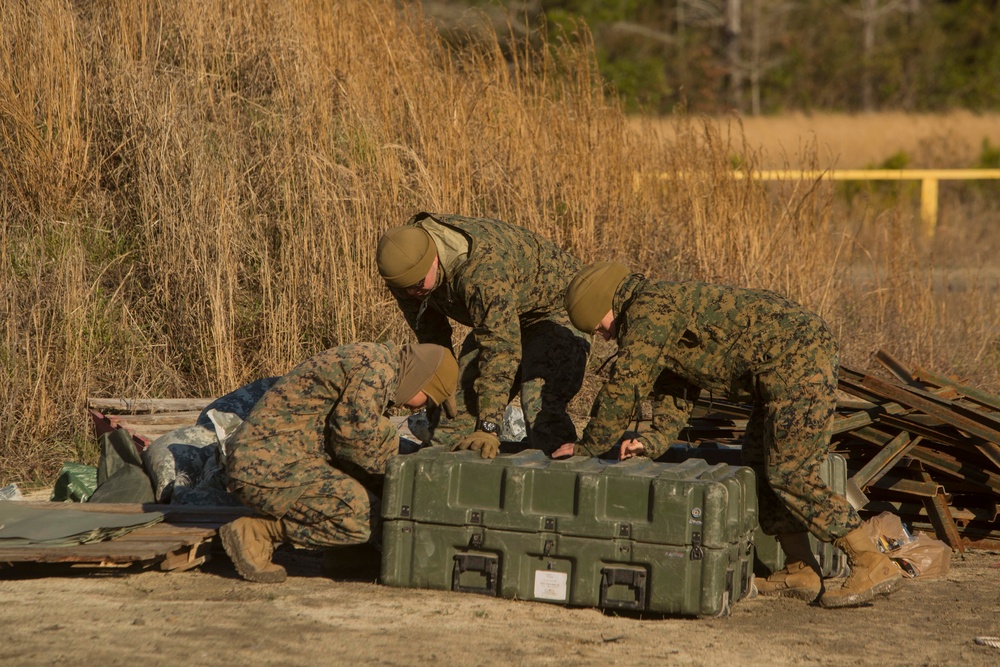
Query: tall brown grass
{"points": [[191, 193]]}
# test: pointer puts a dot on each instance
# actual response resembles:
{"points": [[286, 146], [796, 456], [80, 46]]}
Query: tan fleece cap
{"points": [[591, 293], [405, 255], [431, 369]]}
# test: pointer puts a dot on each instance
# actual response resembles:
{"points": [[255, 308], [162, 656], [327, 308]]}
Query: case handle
{"points": [[486, 566]]}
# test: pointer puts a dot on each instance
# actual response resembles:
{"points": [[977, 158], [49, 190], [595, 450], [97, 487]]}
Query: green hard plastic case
{"points": [[637, 535], [769, 555]]}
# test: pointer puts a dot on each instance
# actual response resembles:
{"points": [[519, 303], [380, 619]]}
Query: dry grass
{"points": [[190, 194]]}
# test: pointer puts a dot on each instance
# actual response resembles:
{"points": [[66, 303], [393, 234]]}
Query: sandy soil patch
{"points": [[53, 615]]}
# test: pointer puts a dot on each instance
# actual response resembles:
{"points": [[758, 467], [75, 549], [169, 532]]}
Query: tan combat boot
{"points": [[800, 577], [872, 572], [249, 542]]}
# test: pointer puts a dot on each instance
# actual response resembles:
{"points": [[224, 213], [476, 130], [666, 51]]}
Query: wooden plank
{"points": [[113, 551], [157, 418], [102, 425], [171, 512], [135, 405], [176, 546], [151, 432], [182, 536], [181, 560]]}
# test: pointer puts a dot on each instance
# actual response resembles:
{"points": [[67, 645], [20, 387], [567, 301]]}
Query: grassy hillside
{"points": [[190, 195]]}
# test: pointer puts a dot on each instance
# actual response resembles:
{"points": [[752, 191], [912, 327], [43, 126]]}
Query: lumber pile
{"points": [[145, 419], [922, 446]]}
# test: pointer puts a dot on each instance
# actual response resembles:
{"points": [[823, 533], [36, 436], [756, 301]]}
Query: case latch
{"points": [[697, 553]]}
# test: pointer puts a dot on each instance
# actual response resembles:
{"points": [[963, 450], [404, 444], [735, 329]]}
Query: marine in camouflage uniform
{"points": [[311, 455], [507, 284], [676, 339]]}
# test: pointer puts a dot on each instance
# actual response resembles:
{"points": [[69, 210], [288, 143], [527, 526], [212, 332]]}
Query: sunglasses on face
{"points": [[418, 285]]}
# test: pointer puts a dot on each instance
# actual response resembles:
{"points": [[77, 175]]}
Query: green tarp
{"points": [[26, 526]]}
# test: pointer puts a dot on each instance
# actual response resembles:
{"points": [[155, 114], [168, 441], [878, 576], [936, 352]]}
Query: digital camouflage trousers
{"points": [[332, 510], [787, 440]]}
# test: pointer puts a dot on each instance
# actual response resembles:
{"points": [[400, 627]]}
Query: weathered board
{"points": [[145, 419], [181, 541]]}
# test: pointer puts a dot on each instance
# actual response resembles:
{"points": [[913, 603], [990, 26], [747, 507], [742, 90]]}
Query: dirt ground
{"points": [[56, 615]]}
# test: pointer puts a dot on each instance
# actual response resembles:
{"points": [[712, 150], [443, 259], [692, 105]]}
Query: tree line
{"points": [[771, 56]]}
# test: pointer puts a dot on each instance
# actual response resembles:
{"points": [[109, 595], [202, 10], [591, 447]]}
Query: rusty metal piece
{"points": [[932, 433], [990, 450], [987, 440], [866, 416], [970, 539], [988, 544], [895, 366], [871, 435], [855, 496], [884, 461], [977, 395], [855, 421], [952, 466], [910, 487], [943, 522], [959, 416], [961, 515], [938, 460], [844, 404], [985, 427], [941, 518]]}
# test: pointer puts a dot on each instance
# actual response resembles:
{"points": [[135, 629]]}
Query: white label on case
{"points": [[550, 585]]}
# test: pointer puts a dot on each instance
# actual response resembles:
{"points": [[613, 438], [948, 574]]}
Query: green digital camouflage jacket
{"points": [[678, 338], [329, 410], [511, 278]]}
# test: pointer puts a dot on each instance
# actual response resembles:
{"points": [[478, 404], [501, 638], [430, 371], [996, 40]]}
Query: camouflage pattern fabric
{"points": [[186, 465], [676, 339], [315, 447], [509, 290], [239, 402], [333, 510], [177, 458]]}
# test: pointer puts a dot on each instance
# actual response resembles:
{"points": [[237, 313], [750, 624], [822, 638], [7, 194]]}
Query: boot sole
{"points": [[880, 589], [231, 543], [806, 596], [798, 594]]}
